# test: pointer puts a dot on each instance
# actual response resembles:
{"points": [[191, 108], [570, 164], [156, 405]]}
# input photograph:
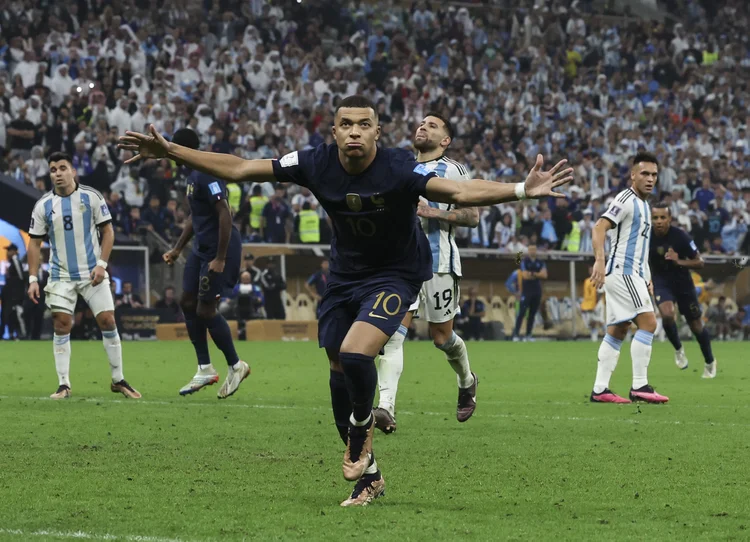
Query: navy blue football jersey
{"points": [[203, 192], [532, 287], [682, 244], [375, 226]]}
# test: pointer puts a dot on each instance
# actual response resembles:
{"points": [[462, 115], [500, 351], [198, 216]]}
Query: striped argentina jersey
{"points": [[630, 236], [442, 236], [72, 225]]}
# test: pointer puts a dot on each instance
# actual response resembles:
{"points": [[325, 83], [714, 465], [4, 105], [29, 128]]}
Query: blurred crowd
{"points": [[515, 78]]}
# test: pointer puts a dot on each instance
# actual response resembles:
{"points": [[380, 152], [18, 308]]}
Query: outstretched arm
{"points": [[476, 193], [223, 166]]}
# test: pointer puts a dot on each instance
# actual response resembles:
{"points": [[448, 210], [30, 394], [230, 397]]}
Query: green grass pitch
{"points": [[536, 462]]}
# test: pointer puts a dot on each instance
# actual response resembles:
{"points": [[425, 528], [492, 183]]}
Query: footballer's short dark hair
{"points": [[357, 102], [645, 157], [187, 138], [662, 205], [58, 156]]}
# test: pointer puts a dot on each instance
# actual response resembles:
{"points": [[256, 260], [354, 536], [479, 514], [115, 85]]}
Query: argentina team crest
{"points": [[354, 202]]}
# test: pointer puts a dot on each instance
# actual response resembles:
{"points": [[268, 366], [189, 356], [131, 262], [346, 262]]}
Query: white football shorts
{"points": [[627, 297], [62, 296], [439, 298]]}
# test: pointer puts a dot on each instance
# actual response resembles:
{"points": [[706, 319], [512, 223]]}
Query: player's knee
{"points": [[647, 323], [106, 320], [619, 331], [62, 324], [667, 320], [696, 326], [441, 336], [335, 366], [188, 303]]}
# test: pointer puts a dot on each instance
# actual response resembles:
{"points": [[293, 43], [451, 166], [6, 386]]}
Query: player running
{"points": [[379, 256], [212, 267], [673, 253], [440, 295], [74, 217], [627, 284]]}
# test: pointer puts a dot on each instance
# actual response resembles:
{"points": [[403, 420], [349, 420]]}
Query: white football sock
{"points": [[206, 369], [113, 347], [458, 357], [364, 422], [609, 353], [373, 468], [389, 370], [640, 351], [61, 348]]}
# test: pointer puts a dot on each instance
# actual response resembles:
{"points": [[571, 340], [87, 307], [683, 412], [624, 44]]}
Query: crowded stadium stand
{"points": [[584, 80]]}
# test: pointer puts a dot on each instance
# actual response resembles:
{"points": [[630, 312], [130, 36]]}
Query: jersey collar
{"points": [[59, 196]]}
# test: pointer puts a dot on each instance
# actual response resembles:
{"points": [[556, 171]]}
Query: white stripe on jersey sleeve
{"points": [[620, 207], [38, 226], [99, 207]]}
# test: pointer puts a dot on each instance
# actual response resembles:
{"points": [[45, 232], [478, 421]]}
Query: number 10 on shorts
{"points": [[391, 305]]}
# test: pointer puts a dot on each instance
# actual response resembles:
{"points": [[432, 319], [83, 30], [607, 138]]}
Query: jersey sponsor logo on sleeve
{"points": [[214, 188], [421, 169], [693, 246], [31, 227], [614, 210], [104, 209], [289, 160]]}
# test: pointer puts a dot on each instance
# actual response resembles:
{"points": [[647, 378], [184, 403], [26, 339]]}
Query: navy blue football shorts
{"points": [[382, 302], [680, 293], [209, 285]]}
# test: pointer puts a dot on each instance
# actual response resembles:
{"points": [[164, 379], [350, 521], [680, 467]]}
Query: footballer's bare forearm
{"points": [[33, 253], [228, 167], [462, 216], [186, 235], [225, 229], [473, 193], [107, 241], [695, 263], [598, 236]]}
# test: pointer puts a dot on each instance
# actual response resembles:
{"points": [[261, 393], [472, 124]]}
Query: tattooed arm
{"points": [[466, 216]]}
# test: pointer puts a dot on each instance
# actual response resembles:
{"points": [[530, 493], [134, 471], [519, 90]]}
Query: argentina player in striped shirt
{"points": [[439, 297], [75, 217], [627, 283]]}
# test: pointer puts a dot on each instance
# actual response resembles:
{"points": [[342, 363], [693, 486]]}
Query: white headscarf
{"points": [[61, 84], [140, 89]]}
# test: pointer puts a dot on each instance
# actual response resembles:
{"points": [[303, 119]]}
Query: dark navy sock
{"points": [[670, 328], [196, 329], [222, 336], [341, 404], [361, 380], [704, 340]]}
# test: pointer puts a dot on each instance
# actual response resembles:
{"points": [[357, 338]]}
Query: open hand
{"points": [[540, 184], [152, 145]]}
